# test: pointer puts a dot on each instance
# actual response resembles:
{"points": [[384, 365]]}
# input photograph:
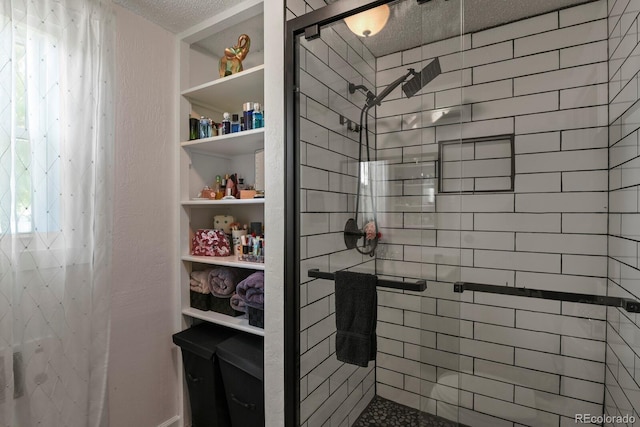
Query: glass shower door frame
{"points": [[308, 25]]}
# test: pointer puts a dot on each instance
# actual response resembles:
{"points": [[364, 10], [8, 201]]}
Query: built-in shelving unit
{"points": [[202, 92]]}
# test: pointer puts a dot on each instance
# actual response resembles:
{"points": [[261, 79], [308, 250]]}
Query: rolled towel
{"points": [[251, 290], [199, 281], [237, 303], [223, 280]]}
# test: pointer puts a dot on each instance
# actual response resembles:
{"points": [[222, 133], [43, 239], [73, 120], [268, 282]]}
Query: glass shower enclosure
{"points": [[475, 164], [365, 160]]}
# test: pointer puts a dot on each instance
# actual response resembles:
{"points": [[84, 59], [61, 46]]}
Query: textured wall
{"points": [[622, 395], [142, 373]]}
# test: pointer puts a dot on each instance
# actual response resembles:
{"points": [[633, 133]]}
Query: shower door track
{"points": [[630, 305], [418, 286]]}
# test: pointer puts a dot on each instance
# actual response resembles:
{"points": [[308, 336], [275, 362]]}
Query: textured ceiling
{"points": [[410, 24], [176, 15]]}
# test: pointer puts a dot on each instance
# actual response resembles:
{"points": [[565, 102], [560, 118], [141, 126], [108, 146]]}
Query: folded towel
{"points": [[356, 316], [251, 290], [223, 280], [199, 281], [237, 303], [199, 290]]}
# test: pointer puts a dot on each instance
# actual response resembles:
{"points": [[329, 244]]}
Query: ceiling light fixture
{"points": [[369, 22]]}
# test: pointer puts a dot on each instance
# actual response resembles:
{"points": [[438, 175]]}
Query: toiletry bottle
{"points": [[194, 128], [258, 120], [242, 127], [226, 124], [247, 113], [218, 188], [203, 127], [235, 123]]}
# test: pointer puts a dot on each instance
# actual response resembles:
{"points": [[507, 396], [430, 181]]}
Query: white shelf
{"points": [[246, 142], [229, 261], [210, 203], [229, 93], [240, 323]]}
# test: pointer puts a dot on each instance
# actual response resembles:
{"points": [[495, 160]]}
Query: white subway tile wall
{"points": [[622, 376], [565, 83], [332, 393], [516, 361]]}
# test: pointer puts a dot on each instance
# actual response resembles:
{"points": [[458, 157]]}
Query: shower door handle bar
{"points": [[418, 286], [630, 305]]}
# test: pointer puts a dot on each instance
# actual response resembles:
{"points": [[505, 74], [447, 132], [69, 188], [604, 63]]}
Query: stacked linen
{"points": [[212, 288], [249, 292], [200, 290], [223, 282], [200, 282]]}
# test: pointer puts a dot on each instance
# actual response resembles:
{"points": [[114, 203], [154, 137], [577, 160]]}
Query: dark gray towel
{"points": [[356, 316]]}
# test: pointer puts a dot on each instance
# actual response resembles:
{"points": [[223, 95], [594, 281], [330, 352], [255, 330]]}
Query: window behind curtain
{"points": [[35, 143]]}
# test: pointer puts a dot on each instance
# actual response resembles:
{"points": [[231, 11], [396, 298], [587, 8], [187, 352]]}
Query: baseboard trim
{"points": [[171, 422]]}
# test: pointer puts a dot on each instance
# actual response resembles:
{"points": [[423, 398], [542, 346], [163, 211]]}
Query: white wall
{"points": [[274, 213], [143, 383]]}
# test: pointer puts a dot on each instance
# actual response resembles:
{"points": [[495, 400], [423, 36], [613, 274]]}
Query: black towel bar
{"points": [[630, 305], [418, 286]]}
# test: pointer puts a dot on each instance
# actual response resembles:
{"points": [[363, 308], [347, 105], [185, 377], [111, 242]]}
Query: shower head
{"points": [[413, 86], [420, 80]]}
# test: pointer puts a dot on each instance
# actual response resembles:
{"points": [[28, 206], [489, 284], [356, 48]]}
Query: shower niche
{"points": [[476, 165], [467, 149]]}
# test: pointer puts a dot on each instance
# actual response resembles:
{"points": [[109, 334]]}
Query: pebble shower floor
{"points": [[385, 413]]}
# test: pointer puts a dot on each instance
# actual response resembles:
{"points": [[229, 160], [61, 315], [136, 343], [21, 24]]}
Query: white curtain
{"points": [[56, 156]]}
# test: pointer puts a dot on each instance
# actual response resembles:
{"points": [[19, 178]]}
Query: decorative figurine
{"points": [[231, 62]]}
